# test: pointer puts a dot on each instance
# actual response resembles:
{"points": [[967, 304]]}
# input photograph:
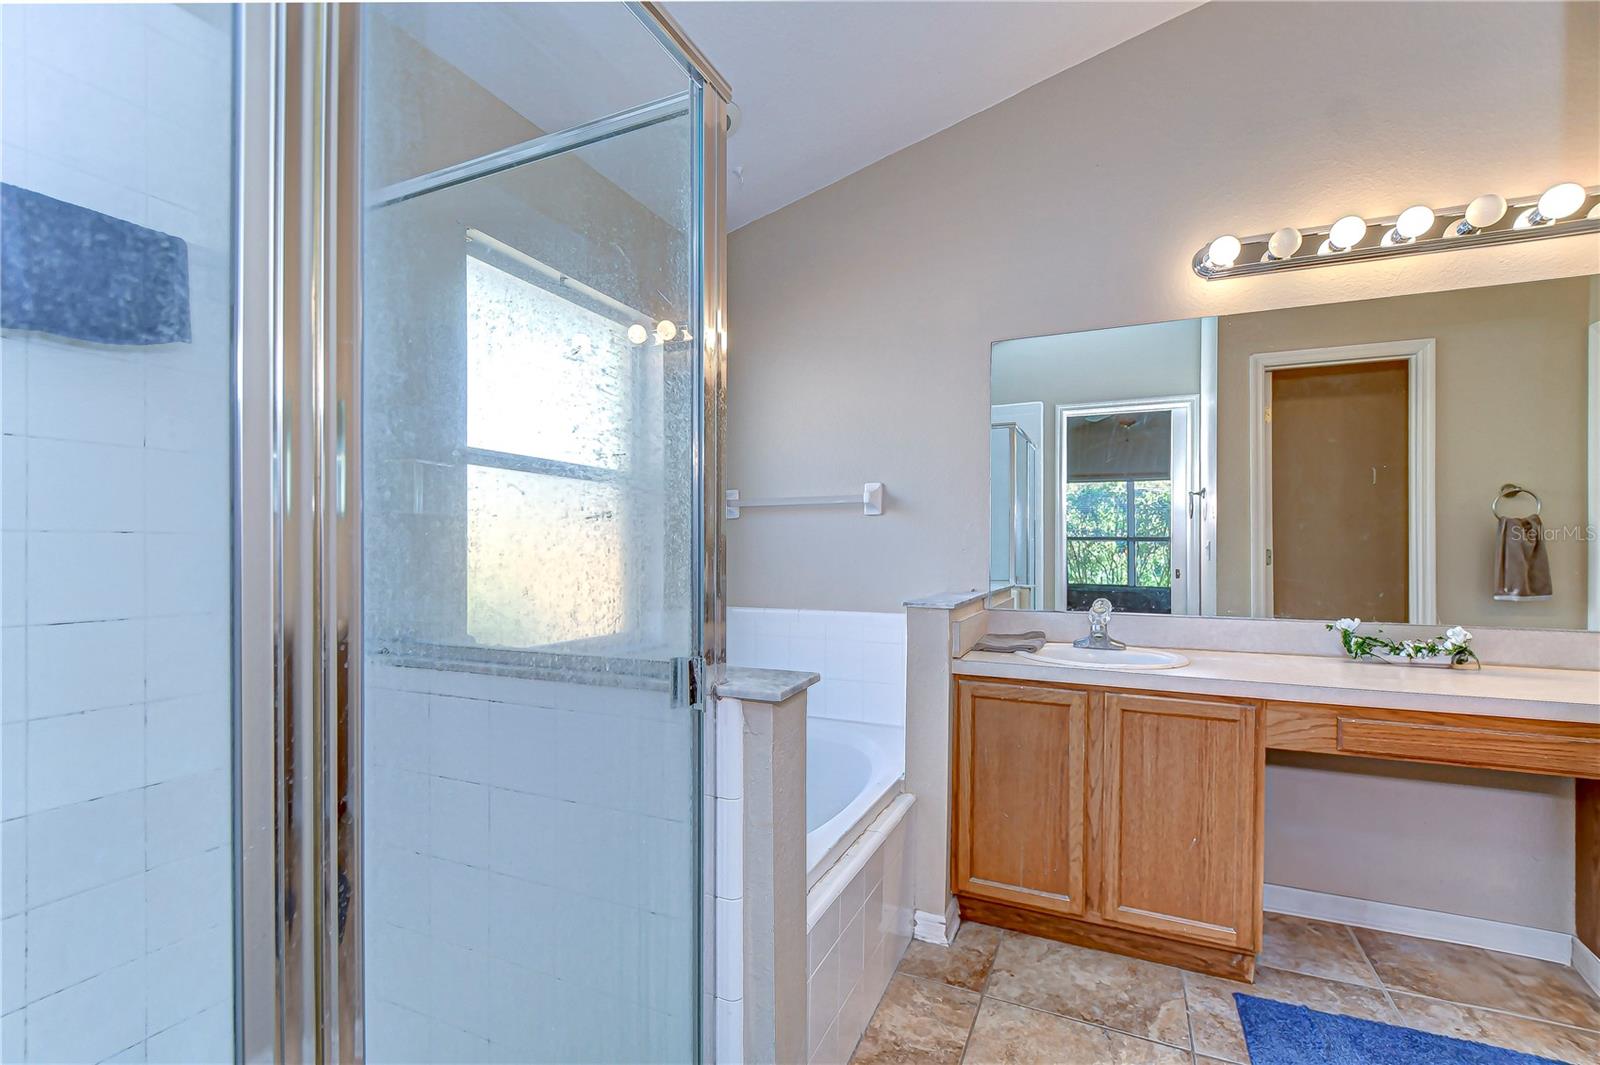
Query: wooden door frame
{"points": [[1423, 592]]}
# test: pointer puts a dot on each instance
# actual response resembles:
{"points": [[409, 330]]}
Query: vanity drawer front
{"points": [[1463, 745], [1555, 748]]}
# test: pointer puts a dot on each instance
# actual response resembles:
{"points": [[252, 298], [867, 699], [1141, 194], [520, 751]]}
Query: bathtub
{"points": [[853, 771]]}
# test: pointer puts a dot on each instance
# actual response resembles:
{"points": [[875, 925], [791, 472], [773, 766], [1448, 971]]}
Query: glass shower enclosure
{"points": [[362, 577]]}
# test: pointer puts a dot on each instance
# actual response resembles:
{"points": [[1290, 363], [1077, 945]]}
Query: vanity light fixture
{"points": [[1282, 244], [1558, 202], [666, 329], [638, 334], [1413, 222], [1488, 219], [1223, 252]]}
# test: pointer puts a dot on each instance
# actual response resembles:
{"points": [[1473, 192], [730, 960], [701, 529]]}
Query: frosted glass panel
{"points": [[530, 803]]}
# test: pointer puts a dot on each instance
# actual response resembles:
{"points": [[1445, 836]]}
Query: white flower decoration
{"points": [[1457, 635], [1347, 624]]}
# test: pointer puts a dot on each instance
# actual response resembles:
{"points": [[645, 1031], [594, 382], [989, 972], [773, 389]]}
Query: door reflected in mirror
{"points": [[1329, 461]]}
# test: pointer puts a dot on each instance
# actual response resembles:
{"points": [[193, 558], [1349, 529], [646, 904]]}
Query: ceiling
{"points": [[827, 88]]}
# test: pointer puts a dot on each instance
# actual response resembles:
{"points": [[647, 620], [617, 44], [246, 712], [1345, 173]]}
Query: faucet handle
{"points": [[1100, 609]]}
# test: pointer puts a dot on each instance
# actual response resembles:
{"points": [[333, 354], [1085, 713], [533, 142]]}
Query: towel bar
{"points": [[870, 500]]}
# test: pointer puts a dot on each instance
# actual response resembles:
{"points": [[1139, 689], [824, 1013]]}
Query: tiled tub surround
{"points": [[506, 919], [858, 926], [996, 997], [115, 719], [860, 655]]}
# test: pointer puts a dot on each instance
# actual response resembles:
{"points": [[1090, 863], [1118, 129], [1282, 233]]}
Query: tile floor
{"points": [[1001, 997]]}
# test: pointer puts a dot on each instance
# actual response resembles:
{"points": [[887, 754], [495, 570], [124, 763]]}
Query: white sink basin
{"points": [[1064, 654]]}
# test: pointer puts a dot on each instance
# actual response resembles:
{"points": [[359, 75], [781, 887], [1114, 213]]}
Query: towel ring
{"points": [[1510, 491]]}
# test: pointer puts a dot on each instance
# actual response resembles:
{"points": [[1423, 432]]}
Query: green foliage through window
{"points": [[1099, 547]]}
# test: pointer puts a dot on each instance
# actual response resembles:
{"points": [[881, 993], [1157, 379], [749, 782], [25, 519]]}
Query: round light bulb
{"points": [[1561, 200], [1485, 210], [666, 329], [1284, 243], [1347, 232], [637, 333], [1594, 212], [1414, 222], [1223, 252]]}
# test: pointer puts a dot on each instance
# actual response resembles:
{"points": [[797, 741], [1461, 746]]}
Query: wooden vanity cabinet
{"points": [[1129, 822], [1022, 781]]}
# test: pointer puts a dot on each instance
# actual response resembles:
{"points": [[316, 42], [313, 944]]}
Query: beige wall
{"points": [[1511, 405], [862, 315]]}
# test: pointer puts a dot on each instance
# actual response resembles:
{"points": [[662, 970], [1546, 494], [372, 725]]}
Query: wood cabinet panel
{"points": [[1019, 784], [1181, 826], [1550, 747]]}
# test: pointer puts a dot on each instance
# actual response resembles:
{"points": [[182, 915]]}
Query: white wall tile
{"points": [[527, 919], [14, 868], [397, 887], [60, 683], [204, 1039], [186, 816], [81, 487], [187, 573], [13, 964], [822, 998], [524, 754], [730, 948], [188, 897], [76, 395], [459, 738], [13, 575], [396, 730], [188, 977], [730, 848], [730, 1029], [76, 576], [13, 770], [187, 654], [89, 933], [13, 475], [79, 757], [98, 44], [86, 845], [13, 673], [458, 904], [90, 1021], [526, 835], [13, 349], [188, 736], [459, 994], [458, 820], [823, 935]]}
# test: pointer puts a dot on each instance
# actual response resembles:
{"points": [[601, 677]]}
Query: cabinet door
{"points": [[1019, 784], [1181, 829]]}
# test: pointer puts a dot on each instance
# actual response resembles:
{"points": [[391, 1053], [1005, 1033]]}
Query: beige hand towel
{"points": [[1521, 568]]}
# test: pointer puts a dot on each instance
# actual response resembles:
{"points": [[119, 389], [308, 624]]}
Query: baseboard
{"points": [[937, 928], [1426, 924], [1587, 964]]}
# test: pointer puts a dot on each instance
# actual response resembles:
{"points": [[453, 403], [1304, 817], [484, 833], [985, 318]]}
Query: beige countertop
{"points": [[1571, 695]]}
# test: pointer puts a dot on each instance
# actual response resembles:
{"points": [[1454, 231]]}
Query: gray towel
{"points": [[77, 273], [1521, 567], [1006, 643]]}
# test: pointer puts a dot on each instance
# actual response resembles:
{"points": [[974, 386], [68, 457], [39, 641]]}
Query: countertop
{"points": [[1571, 695]]}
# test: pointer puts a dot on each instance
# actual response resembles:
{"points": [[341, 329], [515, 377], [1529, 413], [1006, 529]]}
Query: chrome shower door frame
{"points": [[298, 477]]}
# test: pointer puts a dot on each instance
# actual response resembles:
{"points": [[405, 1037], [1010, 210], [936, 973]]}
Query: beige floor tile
{"points": [[1316, 948], [1201, 1059], [1499, 1029], [964, 963], [1479, 977], [919, 1022], [1014, 1035], [1138, 997], [1215, 1018]]}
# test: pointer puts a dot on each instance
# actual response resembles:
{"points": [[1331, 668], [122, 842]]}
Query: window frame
{"points": [[1132, 539]]}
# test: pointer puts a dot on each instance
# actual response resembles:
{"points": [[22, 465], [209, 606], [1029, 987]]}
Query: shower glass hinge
{"points": [[685, 682]]}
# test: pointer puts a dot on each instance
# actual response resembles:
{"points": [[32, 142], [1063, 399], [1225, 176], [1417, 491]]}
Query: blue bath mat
{"points": [[1277, 1033]]}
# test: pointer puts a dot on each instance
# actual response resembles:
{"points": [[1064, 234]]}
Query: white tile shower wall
{"points": [[728, 903], [530, 889], [861, 657], [860, 925], [116, 708]]}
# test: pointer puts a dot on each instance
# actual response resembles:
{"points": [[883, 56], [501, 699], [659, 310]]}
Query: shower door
{"points": [[530, 603]]}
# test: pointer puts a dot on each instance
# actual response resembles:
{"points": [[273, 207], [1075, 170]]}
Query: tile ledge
{"points": [[946, 600], [764, 685]]}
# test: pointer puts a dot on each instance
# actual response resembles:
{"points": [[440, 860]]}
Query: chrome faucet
{"points": [[1099, 636]]}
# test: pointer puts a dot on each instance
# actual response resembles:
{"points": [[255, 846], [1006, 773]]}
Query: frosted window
{"points": [[546, 378], [548, 382]]}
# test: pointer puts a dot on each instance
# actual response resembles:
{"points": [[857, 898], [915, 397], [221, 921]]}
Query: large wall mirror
{"points": [[1430, 459]]}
